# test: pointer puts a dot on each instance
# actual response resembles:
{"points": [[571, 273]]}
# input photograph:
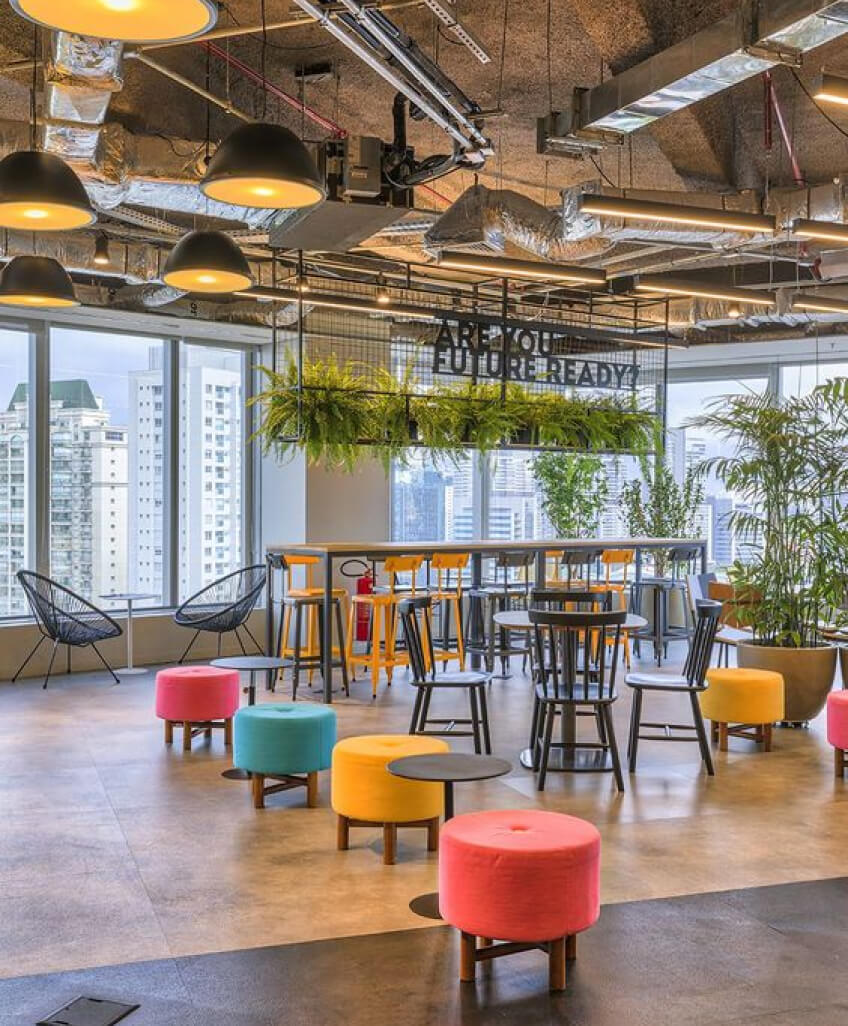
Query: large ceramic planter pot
{"points": [[807, 674]]}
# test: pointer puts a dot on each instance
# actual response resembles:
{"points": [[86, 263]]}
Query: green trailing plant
{"points": [[656, 505], [342, 413], [788, 468], [574, 491], [327, 414]]}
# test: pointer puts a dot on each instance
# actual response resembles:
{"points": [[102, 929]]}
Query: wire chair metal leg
{"points": [[259, 648], [116, 678], [220, 636], [241, 643], [50, 664], [182, 658], [21, 668]]}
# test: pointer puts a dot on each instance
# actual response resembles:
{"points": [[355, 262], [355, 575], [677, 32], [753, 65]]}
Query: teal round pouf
{"points": [[291, 737]]}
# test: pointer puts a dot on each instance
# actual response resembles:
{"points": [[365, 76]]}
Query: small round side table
{"points": [[448, 768], [129, 597], [253, 664]]}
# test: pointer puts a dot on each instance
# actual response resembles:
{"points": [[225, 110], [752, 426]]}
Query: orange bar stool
{"points": [[553, 562], [382, 653], [448, 594], [299, 597], [616, 565]]}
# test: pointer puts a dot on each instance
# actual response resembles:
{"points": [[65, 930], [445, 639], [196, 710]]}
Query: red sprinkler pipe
{"points": [[781, 124], [330, 126]]}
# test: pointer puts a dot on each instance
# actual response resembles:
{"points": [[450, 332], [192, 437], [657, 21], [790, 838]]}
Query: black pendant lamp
{"points": [[207, 262], [135, 21], [262, 165], [36, 281], [39, 192]]}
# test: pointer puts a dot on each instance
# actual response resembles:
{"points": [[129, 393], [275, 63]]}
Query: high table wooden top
{"points": [[359, 548]]}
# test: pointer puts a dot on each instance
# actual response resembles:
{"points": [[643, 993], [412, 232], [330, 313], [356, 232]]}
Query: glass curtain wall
{"points": [[15, 511]]}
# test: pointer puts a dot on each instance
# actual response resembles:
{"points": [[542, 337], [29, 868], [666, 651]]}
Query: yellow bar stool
{"points": [[292, 646], [382, 604], [618, 562], [448, 593], [553, 562]]}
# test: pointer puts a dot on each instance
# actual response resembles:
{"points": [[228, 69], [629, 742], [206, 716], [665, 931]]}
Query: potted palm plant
{"points": [[788, 470]]}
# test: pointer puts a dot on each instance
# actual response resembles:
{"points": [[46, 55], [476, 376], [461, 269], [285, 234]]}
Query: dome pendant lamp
{"points": [[39, 192], [131, 21], [207, 262], [36, 281], [266, 166]]}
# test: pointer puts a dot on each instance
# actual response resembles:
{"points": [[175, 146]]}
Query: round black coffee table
{"points": [[253, 664], [448, 768]]}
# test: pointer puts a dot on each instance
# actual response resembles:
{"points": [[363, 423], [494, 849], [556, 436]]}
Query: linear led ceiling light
{"points": [[831, 89], [817, 304], [828, 231], [335, 302], [36, 281], [131, 21], [702, 290], [499, 267], [677, 213]]}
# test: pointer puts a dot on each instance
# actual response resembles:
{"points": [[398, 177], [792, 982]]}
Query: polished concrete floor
{"points": [[114, 848], [771, 956]]}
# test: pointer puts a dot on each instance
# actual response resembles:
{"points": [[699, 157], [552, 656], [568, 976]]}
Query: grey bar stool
{"points": [[301, 657]]}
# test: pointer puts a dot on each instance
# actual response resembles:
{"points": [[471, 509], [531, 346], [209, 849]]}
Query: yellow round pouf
{"points": [[362, 788], [743, 703], [365, 794]]}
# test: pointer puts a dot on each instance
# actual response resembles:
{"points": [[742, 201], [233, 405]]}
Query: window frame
{"points": [[161, 329]]}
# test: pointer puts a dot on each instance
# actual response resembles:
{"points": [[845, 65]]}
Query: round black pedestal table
{"points": [[447, 768], [252, 664]]}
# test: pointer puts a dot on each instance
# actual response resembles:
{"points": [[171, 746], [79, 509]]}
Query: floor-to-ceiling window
{"points": [[434, 502], [211, 456], [15, 510]]}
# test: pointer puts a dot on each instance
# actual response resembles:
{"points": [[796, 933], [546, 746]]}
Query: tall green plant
{"points": [[658, 506], [788, 468], [574, 491]]}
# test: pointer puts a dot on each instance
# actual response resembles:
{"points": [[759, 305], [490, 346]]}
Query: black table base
{"points": [[572, 760], [426, 905]]}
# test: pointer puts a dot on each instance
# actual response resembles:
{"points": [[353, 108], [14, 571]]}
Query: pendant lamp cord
{"points": [[33, 112]]}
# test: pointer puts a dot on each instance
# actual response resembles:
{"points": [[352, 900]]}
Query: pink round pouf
{"points": [[524, 876], [197, 695], [837, 728]]}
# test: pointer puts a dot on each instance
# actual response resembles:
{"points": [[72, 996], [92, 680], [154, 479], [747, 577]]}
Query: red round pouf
{"points": [[524, 875], [837, 728], [188, 695]]}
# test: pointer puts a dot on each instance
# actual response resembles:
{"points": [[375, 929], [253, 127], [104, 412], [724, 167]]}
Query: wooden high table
{"points": [[376, 552]]}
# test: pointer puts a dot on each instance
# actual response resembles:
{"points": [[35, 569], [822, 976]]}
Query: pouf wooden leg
{"points": [[722, 737], [840, 761], [259, 789], [389, 835], [556, 964], [228, 732], [343, 833], [558, 951], [571, 947], [169, 732], [389, 843], [186, 736], [467, 957]]}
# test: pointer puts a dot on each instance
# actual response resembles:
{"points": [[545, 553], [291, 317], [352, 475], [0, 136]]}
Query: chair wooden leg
{"points": [[228, 732], [556, 964], [186, 736], [389, 843], [467, 960], [714, 731], [722, 737], [342, 833], [257, 784], [351, 634], [169, 732], [571, 947], [312, 790], [433, 834], [375, 649], [701, 731]]}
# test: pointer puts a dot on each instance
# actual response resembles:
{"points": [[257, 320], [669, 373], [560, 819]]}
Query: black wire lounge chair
{"points": [[64, 618], [223, 606]]}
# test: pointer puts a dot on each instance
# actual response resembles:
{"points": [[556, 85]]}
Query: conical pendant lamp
{"points": [[39, 192], [262, 165], [135, 21], [207, 262], [36, 281]]}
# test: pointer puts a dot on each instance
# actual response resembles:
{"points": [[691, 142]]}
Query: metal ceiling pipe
{"points": [[466, 135], [175, 76]]}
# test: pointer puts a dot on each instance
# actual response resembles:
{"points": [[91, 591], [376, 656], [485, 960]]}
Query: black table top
{"points": [[449, 766], [251, 662]]}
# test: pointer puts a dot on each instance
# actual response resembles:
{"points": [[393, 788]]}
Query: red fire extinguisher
{"points": [[364, 577]]}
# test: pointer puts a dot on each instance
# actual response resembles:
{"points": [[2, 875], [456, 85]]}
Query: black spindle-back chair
{"points": [[690, 682], [417, 627], [64, 618], [576, 663]]}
